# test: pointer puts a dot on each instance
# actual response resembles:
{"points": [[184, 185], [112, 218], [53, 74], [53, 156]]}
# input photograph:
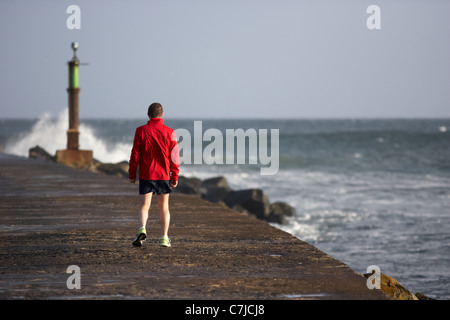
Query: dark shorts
{"points": [[155, 186]]}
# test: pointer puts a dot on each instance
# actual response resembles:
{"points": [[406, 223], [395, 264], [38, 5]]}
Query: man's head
{"points": [[155, 110]]}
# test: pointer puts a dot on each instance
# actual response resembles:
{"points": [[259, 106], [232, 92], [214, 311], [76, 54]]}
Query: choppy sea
{"points": [[367, 192]]}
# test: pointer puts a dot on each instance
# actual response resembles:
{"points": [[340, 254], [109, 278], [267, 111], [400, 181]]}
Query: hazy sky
{"points": [[228, 58]]}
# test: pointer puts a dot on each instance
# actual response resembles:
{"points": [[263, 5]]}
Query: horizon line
{"points": [[242, 118]]}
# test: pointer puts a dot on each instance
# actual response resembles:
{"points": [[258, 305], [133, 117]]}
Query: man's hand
{"points": [[173, 183], [133, 180]]}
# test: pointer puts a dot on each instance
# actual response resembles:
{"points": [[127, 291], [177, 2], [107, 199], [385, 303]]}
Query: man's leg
{"points": [[164, 214], [145, 202]]}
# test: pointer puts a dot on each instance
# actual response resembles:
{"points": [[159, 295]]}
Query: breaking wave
{"points": [[50, 134]]}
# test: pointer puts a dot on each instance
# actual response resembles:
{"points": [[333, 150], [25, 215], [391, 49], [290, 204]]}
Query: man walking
{"points": [[155, 151]]}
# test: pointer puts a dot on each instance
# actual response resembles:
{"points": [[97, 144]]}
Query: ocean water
{"points": [[367, 192]]}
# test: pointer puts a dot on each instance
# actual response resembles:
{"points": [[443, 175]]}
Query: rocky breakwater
{"points": [[249, 201]]}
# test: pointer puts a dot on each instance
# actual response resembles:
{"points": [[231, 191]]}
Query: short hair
{"points": [[155, 110]]}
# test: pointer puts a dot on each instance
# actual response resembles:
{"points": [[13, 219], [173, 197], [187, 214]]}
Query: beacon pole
{"points": [[73, 91], [73, 156]]}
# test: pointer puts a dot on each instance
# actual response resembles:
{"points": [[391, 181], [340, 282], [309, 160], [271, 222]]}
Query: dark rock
{"points": [[421, 296], [115, 169], [237, 207], [188, 185], [215, 189], [255, 201], [279, 211], [39, 153], [276, 218]]}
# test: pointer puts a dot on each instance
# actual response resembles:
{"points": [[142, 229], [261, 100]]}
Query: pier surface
{"points": [[53, 217]]}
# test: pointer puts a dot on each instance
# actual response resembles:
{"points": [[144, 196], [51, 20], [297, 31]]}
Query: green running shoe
{"points": [[140, 236], [165, 242]]}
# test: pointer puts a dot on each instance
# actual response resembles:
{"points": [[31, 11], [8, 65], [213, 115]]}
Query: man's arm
{"points": [[174, 160], [134, 158], [173, 183]]}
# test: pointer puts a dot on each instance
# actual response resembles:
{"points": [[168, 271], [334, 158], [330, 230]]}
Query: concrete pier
{"points": [[53, 217]]}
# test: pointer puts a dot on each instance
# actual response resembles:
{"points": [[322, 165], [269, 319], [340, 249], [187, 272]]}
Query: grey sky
{"points": [[228, 58]]}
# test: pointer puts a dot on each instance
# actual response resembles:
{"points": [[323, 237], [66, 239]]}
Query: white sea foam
{"points": [[302, 230], [50, 134], [116, 153], [46, 132]]}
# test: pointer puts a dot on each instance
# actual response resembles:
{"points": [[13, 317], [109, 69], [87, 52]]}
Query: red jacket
{"points": [[155, 150]]}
